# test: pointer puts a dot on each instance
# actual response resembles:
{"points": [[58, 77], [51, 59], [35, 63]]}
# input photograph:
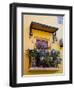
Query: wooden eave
{"points": [[42, 27]]}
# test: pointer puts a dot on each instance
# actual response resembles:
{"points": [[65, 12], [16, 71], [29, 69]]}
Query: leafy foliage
{"points": [[46, 59]]}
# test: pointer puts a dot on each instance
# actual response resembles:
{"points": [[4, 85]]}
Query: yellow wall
{"points": [[30, 42]]}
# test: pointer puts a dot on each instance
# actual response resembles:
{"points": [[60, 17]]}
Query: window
{"points": [[41, 44]]}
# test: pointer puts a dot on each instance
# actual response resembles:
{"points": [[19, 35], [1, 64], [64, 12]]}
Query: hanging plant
{"points": [[54, 37], [61, 42]]}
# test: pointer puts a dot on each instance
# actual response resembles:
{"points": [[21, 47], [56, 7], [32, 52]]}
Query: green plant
{"points": [[33, 53]]}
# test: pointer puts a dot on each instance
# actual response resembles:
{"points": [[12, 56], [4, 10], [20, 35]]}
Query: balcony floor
{"points": [[43, 69]]}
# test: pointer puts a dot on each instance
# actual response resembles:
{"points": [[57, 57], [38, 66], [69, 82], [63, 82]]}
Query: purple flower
{"points": [[53, 52]]}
